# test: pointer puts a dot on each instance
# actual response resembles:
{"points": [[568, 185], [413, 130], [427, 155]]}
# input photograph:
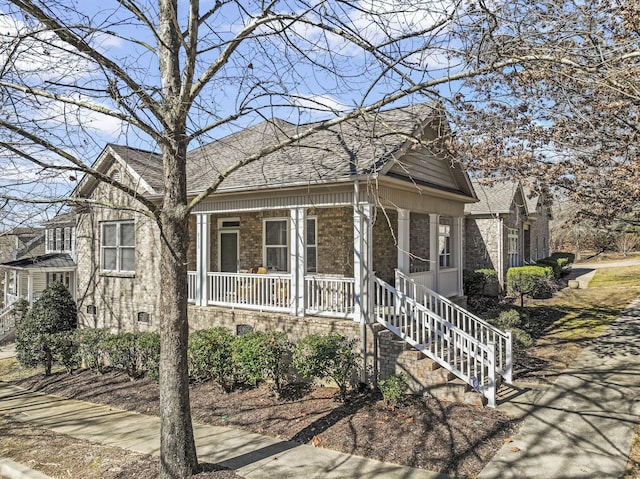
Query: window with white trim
{"points": [[311, 244], [63, 277], [276, 244], [512, 252], [59, 240], [117, 246], [444, 246]]}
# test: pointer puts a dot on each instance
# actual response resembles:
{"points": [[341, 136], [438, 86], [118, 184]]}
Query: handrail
{"points": [[464, 320], [454, 349]]}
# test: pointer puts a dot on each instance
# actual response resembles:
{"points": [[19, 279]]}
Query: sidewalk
{"points": [[250, 455], [582, 426]]}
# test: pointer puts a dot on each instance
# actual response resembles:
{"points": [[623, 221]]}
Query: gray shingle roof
{"points": [[52, 260], [355, 147], [495, 196]]}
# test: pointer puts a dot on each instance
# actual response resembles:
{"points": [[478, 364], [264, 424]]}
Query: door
{"points": [[229, 251]]}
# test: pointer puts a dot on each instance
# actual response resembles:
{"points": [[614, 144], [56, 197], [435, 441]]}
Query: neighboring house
{"points": [[507, 227], [19, 243], [27, 275]]}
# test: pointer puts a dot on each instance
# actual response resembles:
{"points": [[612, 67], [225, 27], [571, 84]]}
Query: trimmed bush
{"points": [[394, 390], [533, 281], [90, 347], [327, 356], [65, 350], [481, 282], [553, 264], [210, 356], [148, 348], [54, 312], [570, 257], [263, 356], [512, 320]]}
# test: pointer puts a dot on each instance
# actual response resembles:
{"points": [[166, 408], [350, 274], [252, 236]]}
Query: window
{"points": [[144, 317], [59, 239], [61, 277], [276, 245], [444, 245], [91, 309], [312, 246], [512, 238], [117, 246]]}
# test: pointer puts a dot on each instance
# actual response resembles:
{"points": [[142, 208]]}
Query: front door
{"points": [[229, 251]]}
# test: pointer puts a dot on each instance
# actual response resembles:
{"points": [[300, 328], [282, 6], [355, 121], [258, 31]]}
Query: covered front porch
{"points": [[319, 254]]}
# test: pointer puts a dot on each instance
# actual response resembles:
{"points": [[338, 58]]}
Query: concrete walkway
{"points": [[583, 425], [250, 455]]}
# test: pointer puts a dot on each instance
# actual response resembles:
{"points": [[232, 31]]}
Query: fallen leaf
{"points": [[515, 449], [507, 440], [409, 419], [315, 441]]}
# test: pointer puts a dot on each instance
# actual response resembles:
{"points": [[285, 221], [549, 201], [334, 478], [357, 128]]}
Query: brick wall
{"points": [[419, 242], [385, 246]]}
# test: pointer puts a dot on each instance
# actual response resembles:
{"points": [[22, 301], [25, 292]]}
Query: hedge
{"points": [[533, 281]]}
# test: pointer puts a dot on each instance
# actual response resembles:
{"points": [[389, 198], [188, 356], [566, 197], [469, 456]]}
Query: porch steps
{"points": [[426, 376]]}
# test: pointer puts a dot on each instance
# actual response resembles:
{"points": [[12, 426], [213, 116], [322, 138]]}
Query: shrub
{"points": [[90, 346], [54, 312], [533, 281], [512, 320], [394, 390], [123, 352], [570, 257], [210, 356], [19, 309], [481, 282], [263, 356], [148, 350], [64, 350], [553, 264], [327, 356]]}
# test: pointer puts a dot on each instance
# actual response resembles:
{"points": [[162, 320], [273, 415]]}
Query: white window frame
{"points": [[285, 245], [445, 259], [513, 242], [308, 246], [117, 247]]}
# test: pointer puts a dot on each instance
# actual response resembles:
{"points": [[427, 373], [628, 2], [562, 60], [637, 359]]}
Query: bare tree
{"points": [[572, 124], [172, 74]]}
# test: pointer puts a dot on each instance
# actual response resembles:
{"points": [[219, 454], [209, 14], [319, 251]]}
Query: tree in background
{"points": [[52, 313]]}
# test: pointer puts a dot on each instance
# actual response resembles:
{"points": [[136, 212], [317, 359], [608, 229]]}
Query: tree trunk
{"points": [[177, 444]]}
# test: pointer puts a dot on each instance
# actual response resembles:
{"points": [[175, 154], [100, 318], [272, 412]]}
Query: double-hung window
{"points": [[512, 238], [276, 245], [444, 245], [117, 246], [312, 246]]}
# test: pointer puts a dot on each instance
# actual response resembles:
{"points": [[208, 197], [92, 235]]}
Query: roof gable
{"points": [[497, 196]]}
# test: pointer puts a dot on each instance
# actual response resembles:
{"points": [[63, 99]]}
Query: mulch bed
{"points": [[426, 433]]}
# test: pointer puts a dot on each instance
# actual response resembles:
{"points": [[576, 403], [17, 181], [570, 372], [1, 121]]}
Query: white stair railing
{"points": [[471, 324], [465, 356]]}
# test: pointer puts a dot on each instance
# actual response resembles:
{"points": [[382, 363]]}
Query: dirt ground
{"points": [[424, 433]]}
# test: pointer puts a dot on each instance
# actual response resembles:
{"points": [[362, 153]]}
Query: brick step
{"points": [[455, 391]]}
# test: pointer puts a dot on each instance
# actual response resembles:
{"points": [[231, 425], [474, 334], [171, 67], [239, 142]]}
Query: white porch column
{"points": [[297, 254], [434, 248], [363, 263], [5, 301], [404, 260], [458, 251], [30, 287], [203, 259]]}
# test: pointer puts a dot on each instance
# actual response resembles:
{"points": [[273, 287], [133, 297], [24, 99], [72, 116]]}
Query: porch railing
{"points": [[266, 292], [192, 282], [462, 319], [329, 296], [455, 350]]}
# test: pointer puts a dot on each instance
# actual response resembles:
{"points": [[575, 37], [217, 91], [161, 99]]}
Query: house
{"points": [[508, 226], [19, 243], [48, 256], [40, 256], [356, 230]]}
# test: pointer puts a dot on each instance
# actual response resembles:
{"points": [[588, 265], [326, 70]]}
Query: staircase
{"points": [[460, 342]]}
